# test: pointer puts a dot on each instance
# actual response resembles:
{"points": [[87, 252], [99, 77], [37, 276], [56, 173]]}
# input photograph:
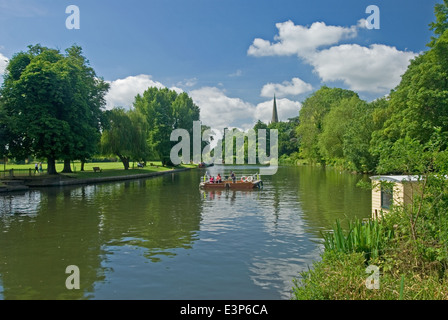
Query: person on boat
{"points": [[232, 175], [218, 178], [212, 179]]}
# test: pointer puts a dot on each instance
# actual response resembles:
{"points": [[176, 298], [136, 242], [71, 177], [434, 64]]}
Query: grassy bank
{"points": [[404, 268], [108, 169]]}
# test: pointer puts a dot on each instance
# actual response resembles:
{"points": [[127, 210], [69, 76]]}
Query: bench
{"points": [[97, 169]]}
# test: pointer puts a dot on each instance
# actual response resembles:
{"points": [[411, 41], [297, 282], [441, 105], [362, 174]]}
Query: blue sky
{"points": [[230, 56]]}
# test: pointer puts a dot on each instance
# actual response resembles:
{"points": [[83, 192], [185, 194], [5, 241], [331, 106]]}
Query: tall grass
{"points": [[369, 237]]}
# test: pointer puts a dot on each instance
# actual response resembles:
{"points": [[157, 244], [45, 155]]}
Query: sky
{"points": [[230, 56]]}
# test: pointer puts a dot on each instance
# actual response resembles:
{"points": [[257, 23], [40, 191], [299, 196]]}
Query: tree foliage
{"points": [[165, 110], [125, 136], [419, 104], [53, 105], [311, 118], [441, 23]]}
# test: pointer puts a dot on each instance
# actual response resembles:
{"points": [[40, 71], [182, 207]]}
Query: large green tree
{"points": [[311, 119], [52, 102], [419, 104], [86, 116], [165, 110]]}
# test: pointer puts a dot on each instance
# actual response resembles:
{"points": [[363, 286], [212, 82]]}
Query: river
{"points": [[165, 239]]}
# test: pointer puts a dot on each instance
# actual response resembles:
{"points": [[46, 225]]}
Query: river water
{"points": [[165, 239]]}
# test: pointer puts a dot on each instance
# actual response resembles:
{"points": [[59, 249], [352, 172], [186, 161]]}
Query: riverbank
{"points": [[14, 184], [380, 260]]}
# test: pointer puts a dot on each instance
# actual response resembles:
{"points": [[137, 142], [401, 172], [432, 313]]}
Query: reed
{"points": [[402, 287], [369, 237]]}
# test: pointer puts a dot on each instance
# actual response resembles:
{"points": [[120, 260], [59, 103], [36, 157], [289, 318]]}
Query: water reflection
{"points": [[164, 238]]}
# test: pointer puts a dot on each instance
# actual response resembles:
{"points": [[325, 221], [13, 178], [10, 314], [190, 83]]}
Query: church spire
{"points": [[274, 112]]}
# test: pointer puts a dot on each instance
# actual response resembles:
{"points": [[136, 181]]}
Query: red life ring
{"points": [[243, 179]]}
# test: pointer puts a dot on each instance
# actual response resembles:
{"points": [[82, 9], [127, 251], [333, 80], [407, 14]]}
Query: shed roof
{"points": [[397, 178]]}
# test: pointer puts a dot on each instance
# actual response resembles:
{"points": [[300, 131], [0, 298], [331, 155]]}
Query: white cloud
{"points": [[3, 64], [299, 40], [295, 87], [286, 109], [188, 82], [362, 24], [376, 69], [219, 111], [122, 92], [237, 73]]}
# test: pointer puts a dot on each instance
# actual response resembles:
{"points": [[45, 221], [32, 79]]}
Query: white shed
{"points": [[399, 190]]}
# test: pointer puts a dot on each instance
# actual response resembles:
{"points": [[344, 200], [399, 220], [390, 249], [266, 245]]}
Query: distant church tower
{"points": [[274, 112]]}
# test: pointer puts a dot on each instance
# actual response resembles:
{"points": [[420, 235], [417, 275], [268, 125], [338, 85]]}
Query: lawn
{"points": [[109, 169]]}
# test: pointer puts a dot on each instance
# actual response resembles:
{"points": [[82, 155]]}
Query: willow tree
{"points": [[125, 136]]}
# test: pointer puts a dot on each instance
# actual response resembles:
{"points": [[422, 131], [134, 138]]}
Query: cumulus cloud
{"points": [[286, 109], [375, 69], [122, 92], [219, 111], [362, 23], [295, 87], [3, 64], [300, 40]]}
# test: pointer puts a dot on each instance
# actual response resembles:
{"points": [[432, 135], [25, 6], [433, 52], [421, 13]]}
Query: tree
{"points": [[367, 118], [86, 115], [4, 132], [33, 92], [165, 110], [287, 136], [312, 114], [335, 125], [441, 23], [53, 105], [125, 136], [419, 104]]}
